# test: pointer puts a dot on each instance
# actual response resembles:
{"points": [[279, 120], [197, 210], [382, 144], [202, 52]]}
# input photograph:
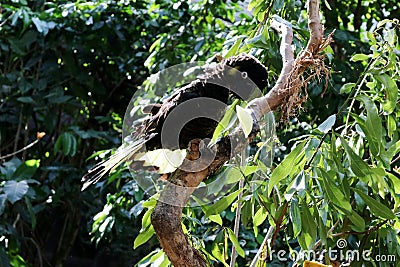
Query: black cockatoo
{"points": [[218, 83]]}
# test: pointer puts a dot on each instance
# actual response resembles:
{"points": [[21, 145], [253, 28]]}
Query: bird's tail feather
{"points": [[110, 164]]}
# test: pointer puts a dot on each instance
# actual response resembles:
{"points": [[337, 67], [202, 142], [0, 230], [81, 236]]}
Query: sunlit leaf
{"points": [[359, 57], [357, 165], [334, 193], [259, 217], [326, 126], [235, 242], [223, 203], [245, 119], [346, 88], [143, 237], [286, 166]]}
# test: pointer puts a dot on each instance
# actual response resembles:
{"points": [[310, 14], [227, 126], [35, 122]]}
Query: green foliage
{"points": [[70, 68]]}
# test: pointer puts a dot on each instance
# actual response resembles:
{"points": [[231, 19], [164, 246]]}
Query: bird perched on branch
{"points": [[237, 76]]}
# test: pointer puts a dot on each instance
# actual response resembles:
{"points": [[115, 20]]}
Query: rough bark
{"points": [[166, 217]]}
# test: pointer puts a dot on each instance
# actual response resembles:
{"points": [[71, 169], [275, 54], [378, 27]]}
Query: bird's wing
{"points": [[102, 168]]}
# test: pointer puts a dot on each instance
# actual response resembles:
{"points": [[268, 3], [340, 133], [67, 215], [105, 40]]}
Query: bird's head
{"points": [[255, 70]]}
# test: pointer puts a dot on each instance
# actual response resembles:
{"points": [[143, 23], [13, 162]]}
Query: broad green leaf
{"points": [[391, 92], [235, 242], [146, 219], [26, 99], [235, 48], [15, 190], [217, 248], [298, 184], [327, 125], [234, 175], [223, 125], [334, 193], [357, 165], [223, 203], [216, 218], [260, 216], [396, 183], [245, 119], [357, 221], [308, 232], [376, 207], [391, 125], [247, 170], [295, 217], [322, 230], [346, 88], [359, 57], [286, 166], [373, 125], [143, 236]]}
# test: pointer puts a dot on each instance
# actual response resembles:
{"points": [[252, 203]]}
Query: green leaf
{"points": [[357, 165], [223, 125], [286, 166], [223, 203], [346, 88], [373, 125], [235, 48], [234, 175], [235, 242], [216, 218], [357, 221], [143, 237], [376, 207], [217, 248], [391, 90], [359, 57], [26, 99], [327, 125], [66, 143], [295, 217], [334, 193], [298, 184], [260, 216], [309, 231], [245, 119], [15, 190]]}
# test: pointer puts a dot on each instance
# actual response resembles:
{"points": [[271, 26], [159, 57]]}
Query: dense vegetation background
{"points": [[69, 69]]}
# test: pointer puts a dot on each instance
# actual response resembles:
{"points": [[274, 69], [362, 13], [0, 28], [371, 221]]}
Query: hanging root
{"points": [[295, 89]]}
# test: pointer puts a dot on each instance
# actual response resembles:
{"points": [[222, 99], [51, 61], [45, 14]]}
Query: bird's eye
{"points": [[244, 75]]}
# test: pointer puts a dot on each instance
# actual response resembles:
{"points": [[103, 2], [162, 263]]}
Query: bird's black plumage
{"points": [[237, 76]]}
